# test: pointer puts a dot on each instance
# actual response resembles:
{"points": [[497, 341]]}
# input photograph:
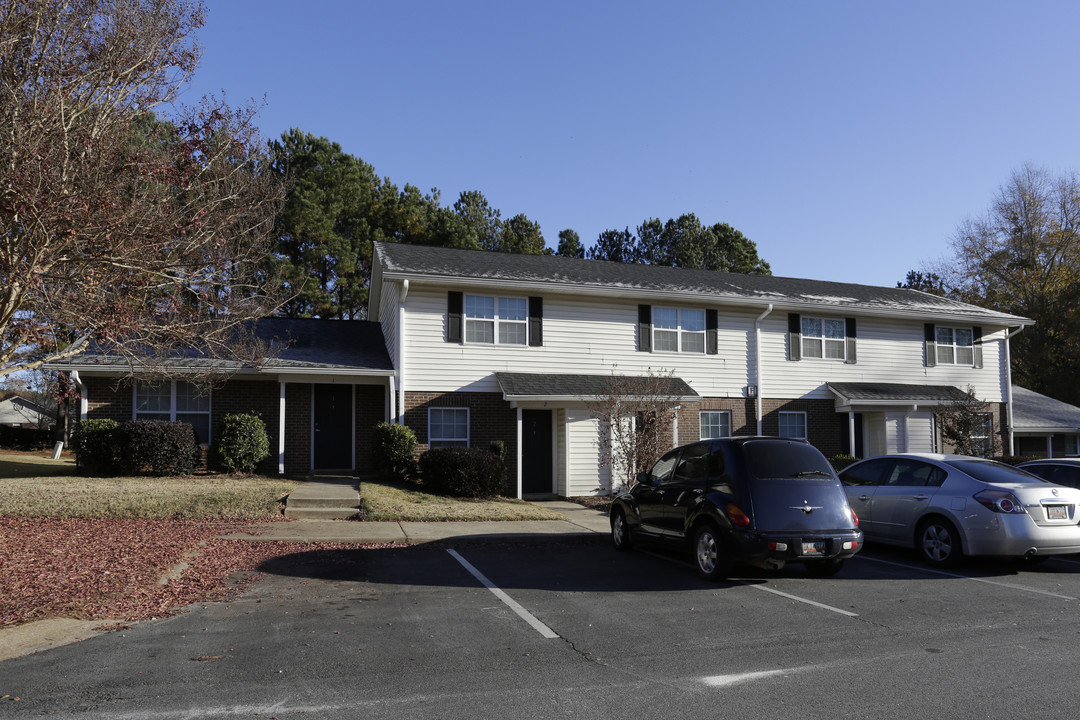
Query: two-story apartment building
{"points": [[510, 347], [467, 347]]}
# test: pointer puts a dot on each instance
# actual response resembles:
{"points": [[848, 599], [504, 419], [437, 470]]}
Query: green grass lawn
{"points": [[34, 486]]}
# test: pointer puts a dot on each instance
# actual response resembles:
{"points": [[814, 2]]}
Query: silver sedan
{"points": [[948, 506]]}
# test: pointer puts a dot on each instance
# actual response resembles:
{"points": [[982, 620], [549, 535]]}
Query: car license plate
{"points": [[813, 548], [1057, 512]]}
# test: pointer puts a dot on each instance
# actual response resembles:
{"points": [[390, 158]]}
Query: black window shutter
{"points": [[455, 304], [849, 331], [930, 341], [976, 341], [536, 321], [644, 328], [711, 323], [794, 333]]}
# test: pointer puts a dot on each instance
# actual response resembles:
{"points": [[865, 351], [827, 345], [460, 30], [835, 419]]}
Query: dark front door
{"points": [[332, 440], [536, 452]]}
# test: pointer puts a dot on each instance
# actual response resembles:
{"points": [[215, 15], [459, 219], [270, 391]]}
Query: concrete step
{"points": [[342, 500], [320, 513]]}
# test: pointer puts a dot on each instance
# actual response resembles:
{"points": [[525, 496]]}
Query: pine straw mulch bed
{"points": [[94, 569]]}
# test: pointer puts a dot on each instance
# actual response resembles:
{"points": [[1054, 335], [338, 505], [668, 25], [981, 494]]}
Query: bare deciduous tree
{"points": [[967, 426], [636, 416], [143, 233]]}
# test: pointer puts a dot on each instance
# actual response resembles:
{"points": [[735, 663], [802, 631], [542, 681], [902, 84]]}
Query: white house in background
{"points": [[491, 346], [18, 411]]}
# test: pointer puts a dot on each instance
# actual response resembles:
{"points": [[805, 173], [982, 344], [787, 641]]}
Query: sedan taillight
{"points": [[1001, 501]]}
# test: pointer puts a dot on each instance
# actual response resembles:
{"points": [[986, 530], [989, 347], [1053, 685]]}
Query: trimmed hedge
{"points": [[841, 461], [394, 452], [94, 444], [462, 472], [242, 442], [157, 447], [135, 447]]}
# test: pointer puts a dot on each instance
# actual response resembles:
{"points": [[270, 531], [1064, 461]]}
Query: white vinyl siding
{"points": [[585, 474], [388, 319]]}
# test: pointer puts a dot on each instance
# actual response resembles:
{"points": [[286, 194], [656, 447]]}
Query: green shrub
{"points": [[94, 443], [841, 461], [157, 447], [242, 442], [498, 449], [462, 472], [394, 452]]}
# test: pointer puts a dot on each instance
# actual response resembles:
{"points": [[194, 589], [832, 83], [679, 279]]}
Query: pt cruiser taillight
{"points": [[1001, 501]]}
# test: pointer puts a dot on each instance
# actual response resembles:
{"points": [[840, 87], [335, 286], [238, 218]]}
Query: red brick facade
{"points": [[112, 398]]}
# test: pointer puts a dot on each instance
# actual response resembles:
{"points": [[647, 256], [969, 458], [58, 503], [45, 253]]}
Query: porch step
{"points": [[324, 499]]}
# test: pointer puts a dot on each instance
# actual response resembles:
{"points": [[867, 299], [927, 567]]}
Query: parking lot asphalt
{"points": [[572, 628]]}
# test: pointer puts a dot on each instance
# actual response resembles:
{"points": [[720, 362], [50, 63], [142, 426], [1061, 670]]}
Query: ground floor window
{"points": [[982, 434], [448, 427], [793, 425], [715, 424], [177, 401]]}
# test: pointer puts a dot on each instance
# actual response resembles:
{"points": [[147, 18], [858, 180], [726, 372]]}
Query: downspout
{"points": [[907, 427], [757, 361], [1009, 335], [83, 404], [401, 352]]}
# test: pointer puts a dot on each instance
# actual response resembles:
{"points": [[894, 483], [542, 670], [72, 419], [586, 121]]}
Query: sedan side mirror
{"points": [[644, 478]]}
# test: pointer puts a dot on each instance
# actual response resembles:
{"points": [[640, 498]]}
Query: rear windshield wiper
{"points": [[804, 473]]}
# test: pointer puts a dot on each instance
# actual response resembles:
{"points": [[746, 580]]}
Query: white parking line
{"points": [[739, 678], [510, 602], [765, 588], [965, 577]]}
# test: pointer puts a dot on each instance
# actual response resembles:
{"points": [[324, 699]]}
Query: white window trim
{"points": [[806, 429], [939, 346], [804, 337], [988, 438], [701, 435], [174, 414], [680, 334], [495, 321], [468, 428]]}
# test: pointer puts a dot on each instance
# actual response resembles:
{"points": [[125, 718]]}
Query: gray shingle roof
{"points": [[896, 392], [419, 261], [297, 345], [526, 385], [1032, 411]]}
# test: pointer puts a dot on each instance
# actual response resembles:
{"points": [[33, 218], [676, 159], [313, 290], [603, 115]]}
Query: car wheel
{"points": [[620, 531], [710, 556], [824, 568], [938, 542]]}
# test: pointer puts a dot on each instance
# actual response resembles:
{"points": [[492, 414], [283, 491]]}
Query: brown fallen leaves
{"points": [[103, 568]]}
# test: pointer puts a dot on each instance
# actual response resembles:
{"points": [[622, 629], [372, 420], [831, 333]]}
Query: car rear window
{"points": [[786, 460], [994, 472]]}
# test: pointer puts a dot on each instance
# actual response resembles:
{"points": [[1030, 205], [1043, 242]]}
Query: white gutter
{"points": [[401, 352], [83, 404], [1009, 335], [757, 361]]}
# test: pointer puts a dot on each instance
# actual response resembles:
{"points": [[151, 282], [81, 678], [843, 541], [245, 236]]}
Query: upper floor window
{"points": [[678, 330], [448, 427], [793, 425], [176, 400], [496, 320], [715, 424], [955, 346], [824, 338]]}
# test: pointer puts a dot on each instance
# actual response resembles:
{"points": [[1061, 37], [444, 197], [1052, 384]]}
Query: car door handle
{"points": [[864, 498], [922, 497]]}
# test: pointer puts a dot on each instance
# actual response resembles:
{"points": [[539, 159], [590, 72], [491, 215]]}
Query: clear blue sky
{"points": [[847, 139]]}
